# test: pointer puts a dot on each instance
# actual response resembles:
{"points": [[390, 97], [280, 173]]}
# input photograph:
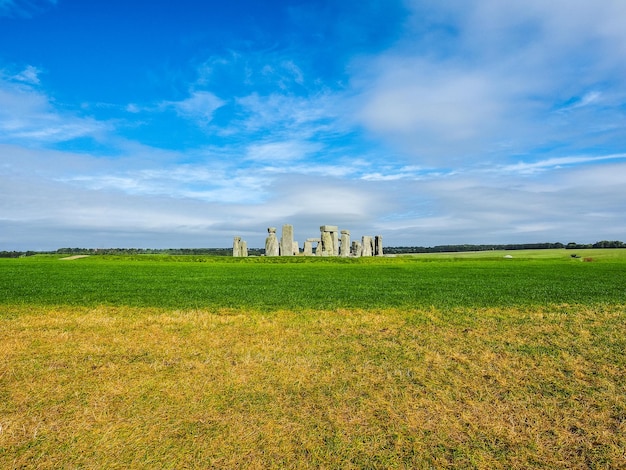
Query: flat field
{"points": [[425, 361]]}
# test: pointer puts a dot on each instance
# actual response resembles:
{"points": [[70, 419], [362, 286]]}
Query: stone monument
{"points": [[286, 241], [308, 246], [368, 245], [330, 240], [345, 243], [271, 242], [240, 247], [378, 245]]}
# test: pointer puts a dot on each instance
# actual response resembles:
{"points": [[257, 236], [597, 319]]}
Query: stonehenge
{"points": [[331, 242], [378, 245], [271, 243], [345, 243], [367, 246], [240, 247], [286, 241]]}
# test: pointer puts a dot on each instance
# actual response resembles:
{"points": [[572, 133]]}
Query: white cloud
{"points": [[199, 107], [28, 116], [494, 75], [286, 151], [302, 117], [29, 75], [552, 163]]}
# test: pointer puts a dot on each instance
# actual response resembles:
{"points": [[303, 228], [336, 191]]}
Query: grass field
{"points": [[427, 361]]}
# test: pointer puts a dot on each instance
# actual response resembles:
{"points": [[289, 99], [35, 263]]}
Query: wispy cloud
{"points": [[24, 8], [498, 70], [283, 151], [552, 163], [199, 107], [27, 114], [29, 75]]}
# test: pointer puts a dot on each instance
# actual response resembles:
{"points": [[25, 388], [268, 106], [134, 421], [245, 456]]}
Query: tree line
{"points": [[510, 246], [261, 251]]}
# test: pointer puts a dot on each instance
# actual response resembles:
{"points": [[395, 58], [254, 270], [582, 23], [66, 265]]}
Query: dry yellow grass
{"points": [[148, 388]]}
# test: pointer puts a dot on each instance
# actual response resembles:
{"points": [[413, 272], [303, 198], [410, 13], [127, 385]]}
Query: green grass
{"points": [[461, 280]]}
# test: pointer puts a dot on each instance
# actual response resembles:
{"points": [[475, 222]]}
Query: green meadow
{"points": [[464, 360], [485, 279]]}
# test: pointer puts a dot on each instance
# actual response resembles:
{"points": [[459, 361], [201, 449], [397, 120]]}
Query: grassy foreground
{"points": [[514, 384], [144, 388]]}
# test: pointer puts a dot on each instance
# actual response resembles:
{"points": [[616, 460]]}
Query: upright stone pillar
{"points": [[236, 246], [243, 249], [286, 241], [378, 245], [345, 243], [330, 241], [368, 245], [326, 245], [357, 249], [271, 243], [335, 236], [295, 248]]}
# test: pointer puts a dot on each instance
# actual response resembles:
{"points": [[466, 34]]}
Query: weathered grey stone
{"points": [[286, 241], [378, 245], [368, 245], [240, 247], [308, 248], [327, 244], [295, 248], [330, 248], [345, 243], [271, 243], [314, 240], [357, 249]]}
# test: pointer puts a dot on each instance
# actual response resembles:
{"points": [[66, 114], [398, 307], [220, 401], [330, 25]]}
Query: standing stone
{"points": [[368, 245], [236, 246], [329, 248], [345, 243], [357, 249], [327, 245], [286, 241], [378, 245], [335, 236], [271, 243], [243, 249], [295, 248]]}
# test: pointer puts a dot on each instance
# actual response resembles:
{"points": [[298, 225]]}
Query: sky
{"points": [[180, 124]]}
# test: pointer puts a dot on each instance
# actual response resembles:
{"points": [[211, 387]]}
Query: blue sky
{"points": [[182, 124]]}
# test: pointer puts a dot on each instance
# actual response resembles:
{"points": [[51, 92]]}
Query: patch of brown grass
{"points": [[149, 388]]}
